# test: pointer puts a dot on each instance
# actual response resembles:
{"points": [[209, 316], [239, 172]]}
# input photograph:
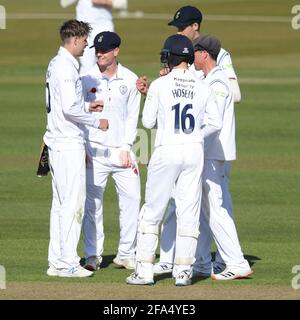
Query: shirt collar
{"points": [[65, 53], [179, 70], [118, 76], [120, 72], [213, 71]]}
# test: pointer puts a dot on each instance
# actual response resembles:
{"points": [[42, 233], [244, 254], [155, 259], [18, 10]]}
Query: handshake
{"points": [[97, 106]]}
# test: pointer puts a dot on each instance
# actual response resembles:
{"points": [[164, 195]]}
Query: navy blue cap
{"points": [[179, 45], [186, 16], [106, 41]]}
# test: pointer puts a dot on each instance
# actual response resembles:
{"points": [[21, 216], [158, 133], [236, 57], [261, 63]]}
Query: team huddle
{"points": [[91, 127]]}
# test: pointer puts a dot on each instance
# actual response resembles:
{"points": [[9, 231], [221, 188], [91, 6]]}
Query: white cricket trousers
{"points": [[179, 165], [217, 216], [204, 258], [68, 185], [214, 211], [101, 162], [88, 60]]}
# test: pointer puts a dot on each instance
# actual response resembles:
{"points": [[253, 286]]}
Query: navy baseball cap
{"points": [[208, 43], [186, 16], [179, 45], [106, 41]]}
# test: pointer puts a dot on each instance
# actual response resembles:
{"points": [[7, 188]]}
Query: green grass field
{"points": [[265, 178]]}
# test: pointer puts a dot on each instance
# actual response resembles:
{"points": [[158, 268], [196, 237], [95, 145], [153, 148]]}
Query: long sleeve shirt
{"points": [[66, 113]]}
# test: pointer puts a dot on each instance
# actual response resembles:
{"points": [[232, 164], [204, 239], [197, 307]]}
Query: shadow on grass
{"points": [[199, 278], [163, 276], [106, 262], [251, 259]]}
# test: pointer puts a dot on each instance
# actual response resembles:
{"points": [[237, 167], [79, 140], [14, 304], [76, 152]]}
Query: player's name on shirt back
{"points": [[185, 88]]}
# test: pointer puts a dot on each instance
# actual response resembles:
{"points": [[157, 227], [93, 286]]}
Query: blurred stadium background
{"points": [[265, 178]]}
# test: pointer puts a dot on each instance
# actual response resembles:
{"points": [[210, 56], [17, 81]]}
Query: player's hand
{"points": [[164, 72], [142, 85], [96, 106], [103, 124], [125, 159]]}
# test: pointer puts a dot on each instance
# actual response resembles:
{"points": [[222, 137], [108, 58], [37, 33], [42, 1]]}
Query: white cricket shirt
{"points": [[121, 106], [87, 12], [177, 102], [65, 103], [222, 146]]}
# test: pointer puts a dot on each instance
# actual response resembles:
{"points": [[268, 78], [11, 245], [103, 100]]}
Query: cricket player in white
{"points": [[177, 103], [216, 200], [65, 140], [187, 20], [169, 225], [98, 13], [110, 152]]}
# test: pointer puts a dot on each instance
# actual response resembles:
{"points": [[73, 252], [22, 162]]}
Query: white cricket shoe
{"points": [[161, 267], [184, 278], [231, 274], [134, 278], [127, 263], [92, 263], [52, 271], [75, 272]]}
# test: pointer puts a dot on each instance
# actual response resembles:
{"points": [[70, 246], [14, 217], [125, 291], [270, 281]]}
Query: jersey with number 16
{"points": [[177, 102]]}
